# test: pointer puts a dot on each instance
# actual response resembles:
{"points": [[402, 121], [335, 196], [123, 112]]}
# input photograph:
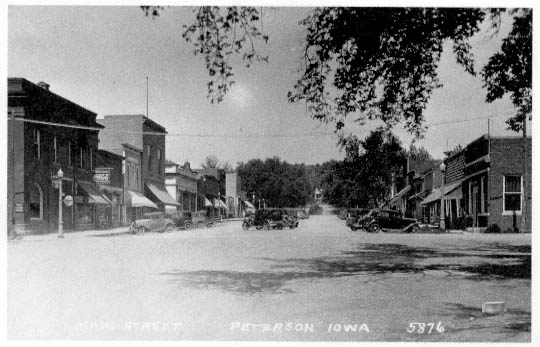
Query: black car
{"points": [[182, 219], [353, 215], [381, 219], [273, 218]]}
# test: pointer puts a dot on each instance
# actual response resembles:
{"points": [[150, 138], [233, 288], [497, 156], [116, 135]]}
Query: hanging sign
{"points": [[102, 175]]}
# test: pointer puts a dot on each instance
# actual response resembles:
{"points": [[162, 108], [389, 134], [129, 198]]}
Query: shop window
{"points": [[36, 202], [513, 189]]}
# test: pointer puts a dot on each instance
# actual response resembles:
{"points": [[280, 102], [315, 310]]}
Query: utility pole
{"points": [[523, 225], [146, 96]]}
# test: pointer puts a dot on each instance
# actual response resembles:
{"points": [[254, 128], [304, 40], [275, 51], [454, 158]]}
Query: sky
{"points": [[99, 58]]}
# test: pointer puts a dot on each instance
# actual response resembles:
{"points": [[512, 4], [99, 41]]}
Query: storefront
{"points": [[138, 204], [90, 206], [159, 195]]}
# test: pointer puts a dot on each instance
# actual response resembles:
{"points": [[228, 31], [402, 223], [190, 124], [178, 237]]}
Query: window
{"points": [[512, 188], [37, 143], [70, 161], [55, 150], [36, 202], [159, 161], [81, 158], [149, 155]]}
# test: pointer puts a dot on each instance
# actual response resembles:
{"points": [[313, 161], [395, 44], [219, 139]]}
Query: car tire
{"points": [[266, 226], [353, 229], [258, 227], [279, 226], [140, 230], [169, 228], [200, 225], [188, 225], [245, 225], [375, 228]]}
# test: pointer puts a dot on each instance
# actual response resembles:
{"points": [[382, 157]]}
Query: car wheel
{"points": [[374, 228], [245, 226], [169, 228], [140, 230], [279, 226], [353, 228], [258, 227], [188, 225], [200, 225], [266, 226]]}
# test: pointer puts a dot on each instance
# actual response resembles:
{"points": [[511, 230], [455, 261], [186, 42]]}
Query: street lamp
{"points": [[443, 170], [60, 175]]}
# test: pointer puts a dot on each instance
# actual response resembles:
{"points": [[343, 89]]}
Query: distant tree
{"points": [[210, 162], [279, 183], [421, 153], [454, 150]]}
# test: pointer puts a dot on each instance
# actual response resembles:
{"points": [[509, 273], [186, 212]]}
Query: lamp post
{"points": [[443, 170], [60, 175]]}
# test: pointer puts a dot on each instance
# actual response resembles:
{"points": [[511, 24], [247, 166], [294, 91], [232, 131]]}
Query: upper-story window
{"points": [[55, 148], [159, 161], [70, 150], [513, 190], [149, 154], [37, 143], [82, 159]]}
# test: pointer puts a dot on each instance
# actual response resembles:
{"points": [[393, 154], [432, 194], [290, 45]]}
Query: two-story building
{"points": [[141, 132], [181, 183], [48, 133]]}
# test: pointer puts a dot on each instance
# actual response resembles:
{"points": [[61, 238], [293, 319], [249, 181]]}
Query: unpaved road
{"points": [[320, 282]]}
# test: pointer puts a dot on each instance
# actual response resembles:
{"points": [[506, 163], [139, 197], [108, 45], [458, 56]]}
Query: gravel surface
{"points": [[319, 282]]}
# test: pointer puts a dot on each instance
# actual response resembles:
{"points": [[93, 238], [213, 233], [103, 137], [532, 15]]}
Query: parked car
{"points": [[274, 218], [353, 215], [153, 221], [380, 219], [342, 214], [182, 219], [200, 219], [299, 213]]}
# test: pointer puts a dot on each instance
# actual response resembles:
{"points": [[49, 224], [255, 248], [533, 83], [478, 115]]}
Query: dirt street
{"points": [[319, 282]]}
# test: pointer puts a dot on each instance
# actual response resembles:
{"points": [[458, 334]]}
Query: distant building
{"points": [[181, 183], [108, 175], [37, 151], [141, 132], [234, 194]]}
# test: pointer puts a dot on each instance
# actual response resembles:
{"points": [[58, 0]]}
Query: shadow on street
{"points": [[492, 262]]}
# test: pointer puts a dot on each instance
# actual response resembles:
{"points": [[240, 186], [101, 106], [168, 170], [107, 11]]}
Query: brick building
{"points": [[493, 186], [37, 150], [141, 132]]}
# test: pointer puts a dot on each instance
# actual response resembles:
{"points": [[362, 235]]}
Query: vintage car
{"points": [[200, 219], [299, 213], [353, 215], [381, 219], [342, 214], [153, 221], [274, 218], [182, 219]]}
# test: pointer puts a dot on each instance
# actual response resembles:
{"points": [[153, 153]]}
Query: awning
{"points": [[139, 200], [436, 194], [399, 195], [249, 204], [207, 203], [94, 196], [110, 189], [220, 203], [161, 194]]}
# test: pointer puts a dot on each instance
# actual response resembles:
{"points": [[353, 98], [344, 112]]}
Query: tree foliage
{"points": [[364, 177], [369, 62], [510, 71], [279, 183]]}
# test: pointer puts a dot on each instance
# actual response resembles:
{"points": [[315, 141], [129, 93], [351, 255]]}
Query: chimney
{"points": [[44, 85]]}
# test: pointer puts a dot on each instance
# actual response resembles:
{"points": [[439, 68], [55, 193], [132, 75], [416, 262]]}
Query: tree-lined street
{"points": [[317, 282]]}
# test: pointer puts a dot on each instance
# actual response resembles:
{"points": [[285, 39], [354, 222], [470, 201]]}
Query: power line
{"points": [[237, 135]]}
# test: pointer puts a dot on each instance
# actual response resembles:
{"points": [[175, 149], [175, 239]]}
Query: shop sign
{"points": [[102, 175], [68, 200]]}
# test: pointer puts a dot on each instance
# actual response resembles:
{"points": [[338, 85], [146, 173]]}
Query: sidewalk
{"points": [[74, 234]]}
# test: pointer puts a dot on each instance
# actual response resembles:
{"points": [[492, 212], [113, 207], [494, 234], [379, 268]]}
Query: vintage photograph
{"points": [[277, 174]]}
